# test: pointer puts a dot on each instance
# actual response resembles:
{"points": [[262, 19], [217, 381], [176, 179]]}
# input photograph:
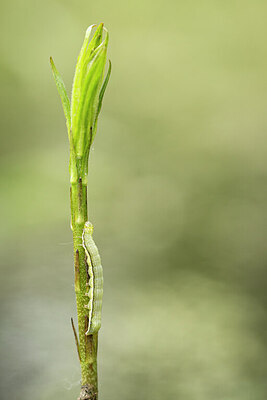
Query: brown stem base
{"points": [[88, 393]]}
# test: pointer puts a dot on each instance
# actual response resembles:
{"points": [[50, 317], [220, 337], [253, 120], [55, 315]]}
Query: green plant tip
{"points": [[88, 90]]}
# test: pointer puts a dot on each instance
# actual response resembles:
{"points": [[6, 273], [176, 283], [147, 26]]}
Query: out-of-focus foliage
{"points": [[177, 194]]}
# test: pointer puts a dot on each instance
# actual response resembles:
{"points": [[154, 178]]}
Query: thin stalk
{"points": [[81, 115], [87, 343]]}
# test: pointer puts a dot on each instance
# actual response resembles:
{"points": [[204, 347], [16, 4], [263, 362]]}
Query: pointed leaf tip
{"points": [[62, 93], [103, 89], [89, 30], [51, 62]]}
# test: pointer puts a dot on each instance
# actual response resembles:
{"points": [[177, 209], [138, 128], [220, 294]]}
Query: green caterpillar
{"points": [[95, 280]]}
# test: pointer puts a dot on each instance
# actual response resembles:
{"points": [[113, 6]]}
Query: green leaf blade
{"points": [[89, 100], [103, 89], [84, 57], [62, 93]]}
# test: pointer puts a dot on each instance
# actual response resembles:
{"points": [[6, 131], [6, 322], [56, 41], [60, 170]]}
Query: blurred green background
{"points": [[177, 194]]}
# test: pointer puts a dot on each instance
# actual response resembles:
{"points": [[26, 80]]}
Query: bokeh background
{"points": [[177, 194]]}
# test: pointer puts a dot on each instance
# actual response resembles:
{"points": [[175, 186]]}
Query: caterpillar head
{"points": [[88, 228]]}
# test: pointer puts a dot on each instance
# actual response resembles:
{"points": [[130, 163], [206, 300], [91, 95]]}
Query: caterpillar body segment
{"points": [[95, 282]]}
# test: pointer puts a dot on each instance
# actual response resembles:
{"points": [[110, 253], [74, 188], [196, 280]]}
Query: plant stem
{"points": [[81, 119], [87, 343]]}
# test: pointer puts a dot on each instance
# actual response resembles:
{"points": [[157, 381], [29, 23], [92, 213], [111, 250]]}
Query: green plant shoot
{"points": [[89, 85]]}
